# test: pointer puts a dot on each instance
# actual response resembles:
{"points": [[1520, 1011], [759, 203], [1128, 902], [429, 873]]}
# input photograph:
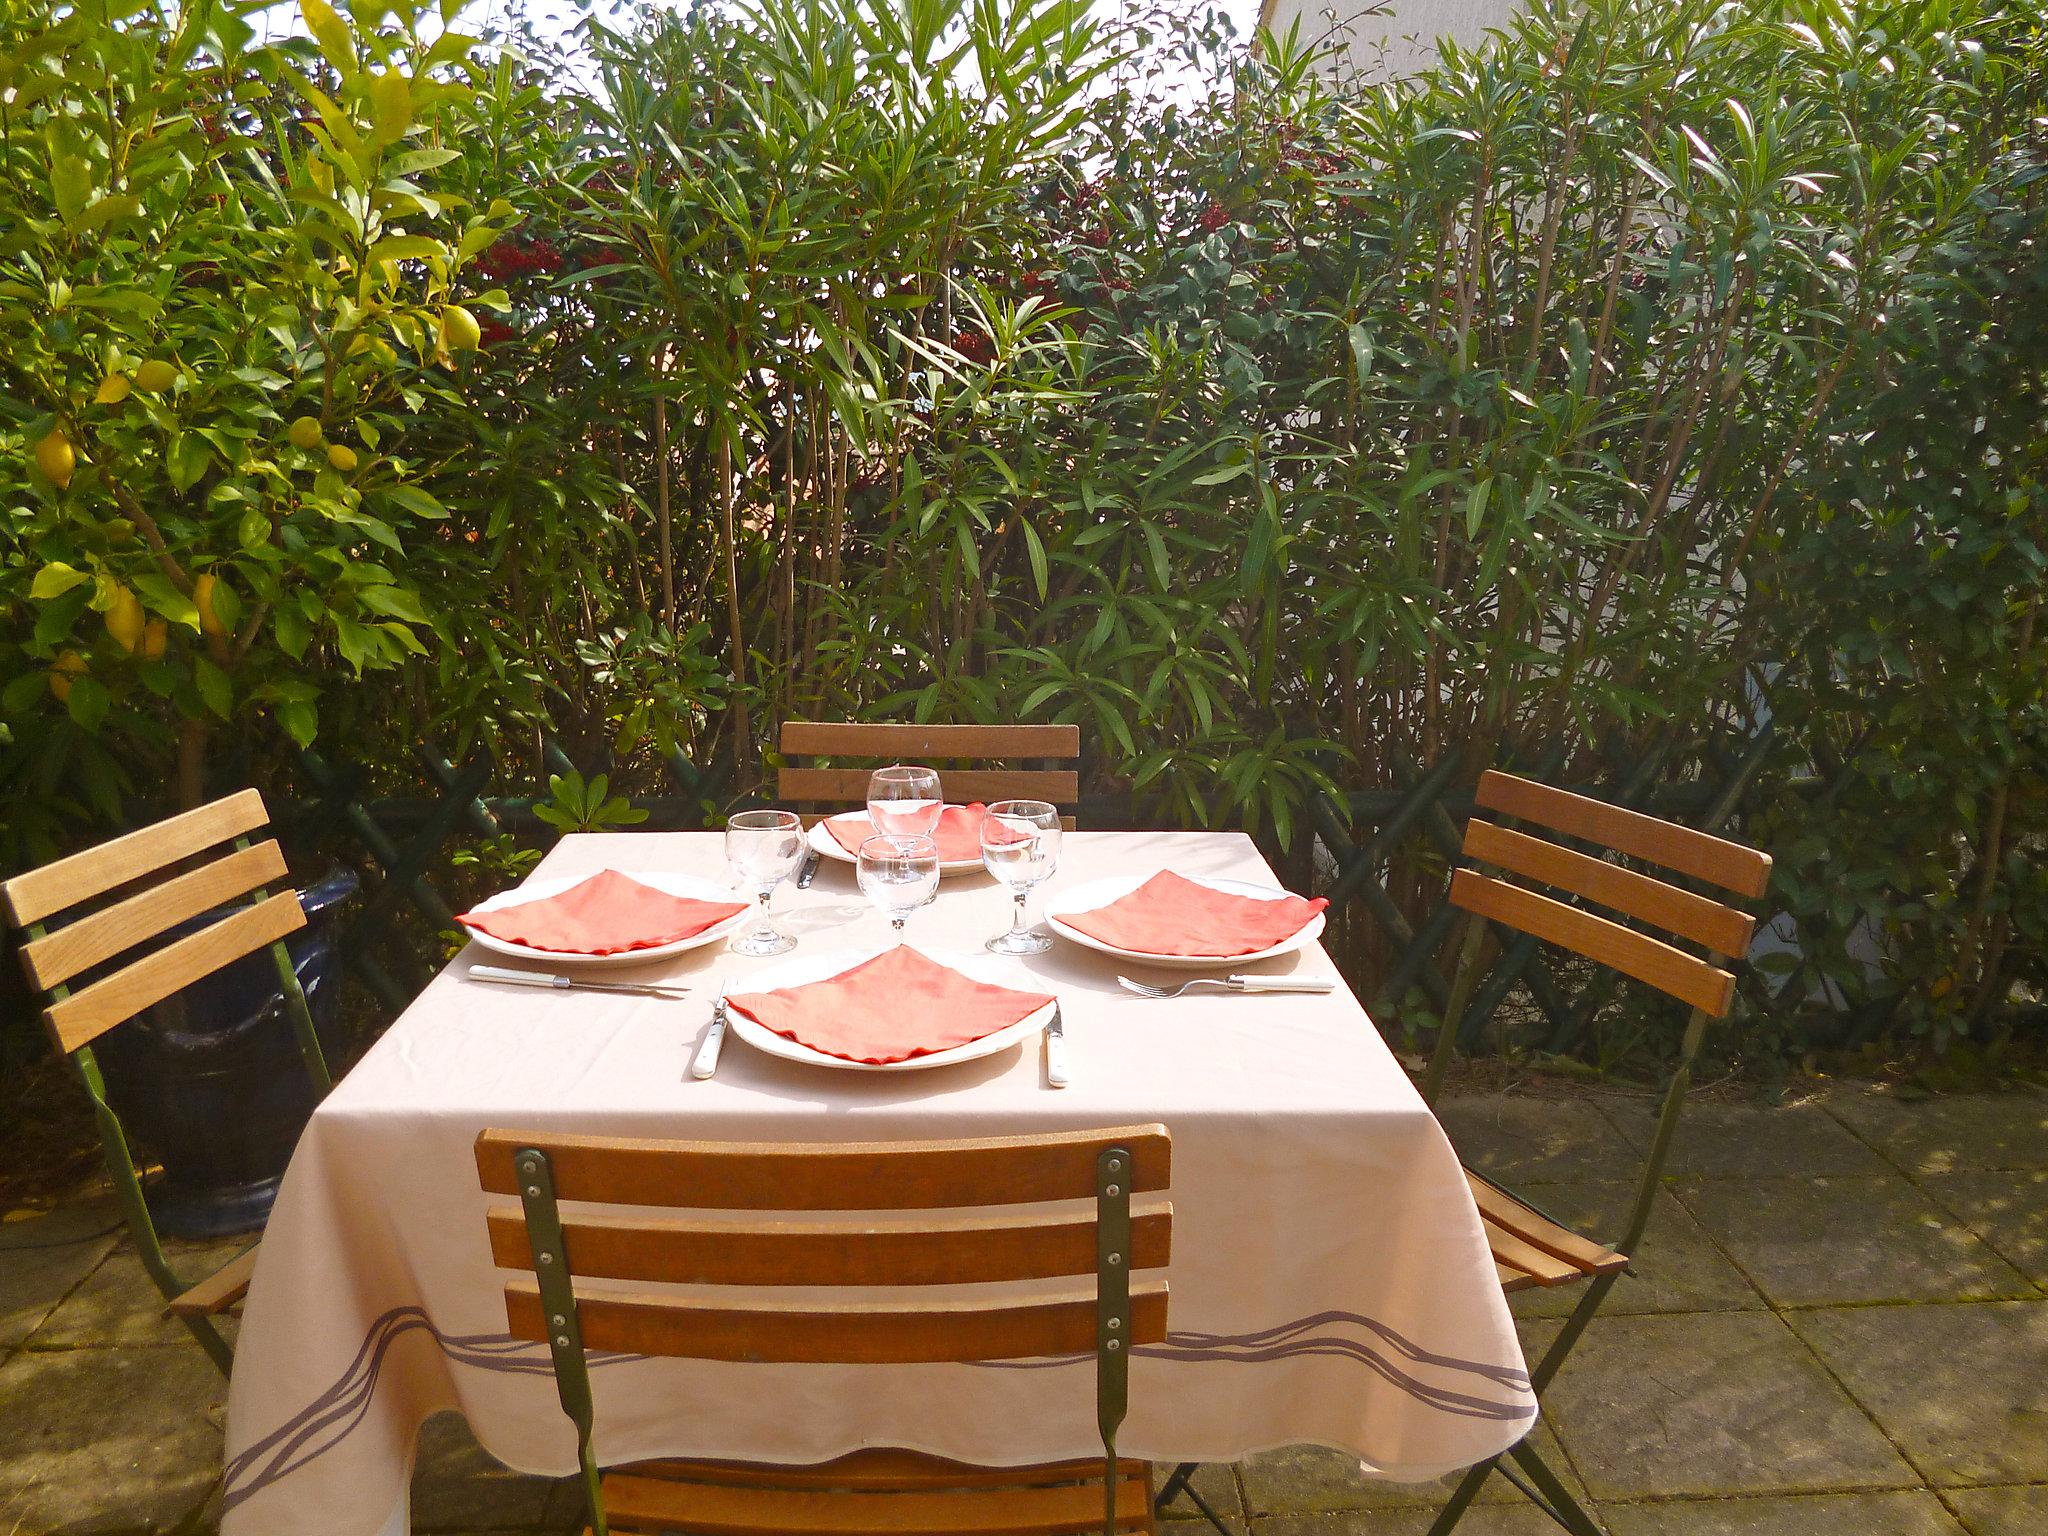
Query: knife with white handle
{"points": [[1055, 1051], [714, 1037], [509, 977]]}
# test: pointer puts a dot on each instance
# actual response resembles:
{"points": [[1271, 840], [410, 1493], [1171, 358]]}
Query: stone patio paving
{"points": [[1840, 1328]]}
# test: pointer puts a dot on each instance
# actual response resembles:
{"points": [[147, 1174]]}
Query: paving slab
{"points": [[1217, 1484], [1956, 1131], [2008, 1210], [44, 1257], [1312, 1479], [1821, 1242], [1712, 1403], [118, 1304], [1749, 1141], [1962, 1389], [106, 1440], [2002, 1511], [457, 1484], [1677, 1267], [1913, 1512], [1523, 1519], [1521, 1140]]}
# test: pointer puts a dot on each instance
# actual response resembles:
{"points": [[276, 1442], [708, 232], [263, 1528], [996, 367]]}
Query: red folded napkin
{"points": [[898, 1005], [607, 914], [958, 836], [1170, 915]]}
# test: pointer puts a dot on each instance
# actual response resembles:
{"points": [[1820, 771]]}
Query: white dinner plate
{"points": [[1100, 893], [797, 973], [830, 847], [674, 885]]}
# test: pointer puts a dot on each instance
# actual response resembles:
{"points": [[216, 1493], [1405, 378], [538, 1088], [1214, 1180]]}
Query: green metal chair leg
{"points": [[1562, 1507], [1462, 1497]]}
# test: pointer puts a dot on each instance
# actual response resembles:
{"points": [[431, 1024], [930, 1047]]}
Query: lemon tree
{"points": [[233, 276]]}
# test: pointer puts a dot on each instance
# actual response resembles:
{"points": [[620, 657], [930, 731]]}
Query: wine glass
{"points": [[899, 875], [763, 847], [904, 801], [1020, 845]]}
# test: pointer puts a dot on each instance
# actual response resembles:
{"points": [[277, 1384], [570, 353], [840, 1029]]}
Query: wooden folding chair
{"points": [[138, 872], [959, 1236], [835, 788], [1529, 1249]]}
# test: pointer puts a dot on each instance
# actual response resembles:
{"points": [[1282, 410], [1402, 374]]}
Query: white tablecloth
{"points": [[1330, 1280]]}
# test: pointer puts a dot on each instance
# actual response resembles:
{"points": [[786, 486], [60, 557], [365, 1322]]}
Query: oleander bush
{"points": [[1663, 382]]}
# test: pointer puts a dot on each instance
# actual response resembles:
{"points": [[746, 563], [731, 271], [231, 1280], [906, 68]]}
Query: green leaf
{"points": [[88, 703], [395, 602], [331, 33], [1475, 506], [301, 720], [54, 580], [215, 687]]}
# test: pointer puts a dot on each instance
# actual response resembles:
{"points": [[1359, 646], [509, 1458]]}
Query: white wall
{"points": [[1393, 37]]}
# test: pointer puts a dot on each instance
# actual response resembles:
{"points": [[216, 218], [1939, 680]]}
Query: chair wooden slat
{"points": [[827, 1176], [1721, 929], [86, 1015], [636, 1501], [1512, 1280], [1051, 1321], [1648, 960], [959, 1251], [857, 738], [884, 1468], [1504, 1213], [1515, 1253], [1699, 854], [31, 897], [1058, 786], [78, 946], [218, 1291]]}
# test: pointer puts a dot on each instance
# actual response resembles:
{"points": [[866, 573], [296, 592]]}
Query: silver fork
{"points": [[1234, 984]]}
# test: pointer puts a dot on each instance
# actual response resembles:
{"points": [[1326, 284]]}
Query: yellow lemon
{"points": [[459, 330], [343, 459], [156, 636], [56, 458], [305, 433], [156, 375], [113, 390], [126, 620], [67, 666], [202, 598]]}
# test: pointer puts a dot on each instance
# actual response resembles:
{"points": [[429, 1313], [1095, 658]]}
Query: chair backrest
{"points": [[956, 1233], [138, 872], [938, 745], [966, 1244], [1721, 931]]}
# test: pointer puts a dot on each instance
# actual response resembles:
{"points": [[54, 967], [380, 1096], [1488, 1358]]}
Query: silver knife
{"points": [[706, 1061], [508, 977], [1055, 1051], [808, 871]]}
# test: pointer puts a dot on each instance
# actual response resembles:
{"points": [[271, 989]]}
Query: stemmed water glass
{"points": [[905, 801], [763, 848], [899, 875], [1020, 845]]}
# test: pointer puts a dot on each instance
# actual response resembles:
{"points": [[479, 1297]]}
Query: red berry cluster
{"points": [[492, 331], [1213, 218], [1038, 285], [975, 347], [510, 258]]}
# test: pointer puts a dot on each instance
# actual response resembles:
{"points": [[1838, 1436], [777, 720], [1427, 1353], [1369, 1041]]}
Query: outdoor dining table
{"points": [[1330, 1279]]}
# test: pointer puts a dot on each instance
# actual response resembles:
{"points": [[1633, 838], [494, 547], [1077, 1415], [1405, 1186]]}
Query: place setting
{"points": [[903, 1007]]}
